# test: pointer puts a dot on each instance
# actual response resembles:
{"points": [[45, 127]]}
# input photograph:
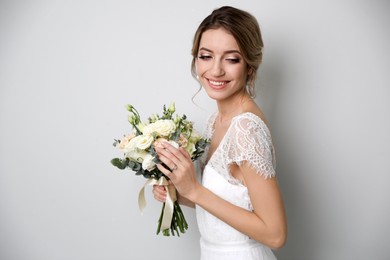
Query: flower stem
{"points": [[160, 219], [178, 223]]}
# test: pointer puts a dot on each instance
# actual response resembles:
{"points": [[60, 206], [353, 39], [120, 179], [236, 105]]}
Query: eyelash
{"points": [[234, 60], [204, 57], [230, 60]]}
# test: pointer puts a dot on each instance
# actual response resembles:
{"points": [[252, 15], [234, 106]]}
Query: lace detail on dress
{"points": [[247, 140]]}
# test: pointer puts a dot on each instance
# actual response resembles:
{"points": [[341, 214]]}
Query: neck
{"points": [[227, 109]]}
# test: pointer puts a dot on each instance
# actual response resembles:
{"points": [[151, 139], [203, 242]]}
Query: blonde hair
{"points": [[246, 31]]}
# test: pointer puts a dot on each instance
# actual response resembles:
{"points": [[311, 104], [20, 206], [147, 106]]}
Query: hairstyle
{"points": [[245, 30]]}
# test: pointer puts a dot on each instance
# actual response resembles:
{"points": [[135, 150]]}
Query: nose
{"points": [[217, 69]]}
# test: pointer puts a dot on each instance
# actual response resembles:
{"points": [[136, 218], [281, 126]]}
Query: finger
{"points": [[159, 193], [159, 189], [168, 158], [174, 151], [161, 198], [185, 153], [165, 171], [181, 154]]}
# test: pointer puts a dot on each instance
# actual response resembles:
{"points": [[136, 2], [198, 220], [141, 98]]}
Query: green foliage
{"points": [[200, 147], [120, 163]]}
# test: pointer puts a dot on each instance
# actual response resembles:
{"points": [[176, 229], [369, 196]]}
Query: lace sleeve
{"points": [[250, 141]]}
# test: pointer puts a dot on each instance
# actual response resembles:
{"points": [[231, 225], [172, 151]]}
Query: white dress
{"points": [[247, 139]]}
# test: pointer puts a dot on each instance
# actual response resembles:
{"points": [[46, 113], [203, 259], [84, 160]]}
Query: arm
{"points": [[266, 224], [184, 201]]}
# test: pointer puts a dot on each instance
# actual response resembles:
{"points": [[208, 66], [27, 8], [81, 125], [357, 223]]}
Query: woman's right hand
{"points": [[159, 193]]}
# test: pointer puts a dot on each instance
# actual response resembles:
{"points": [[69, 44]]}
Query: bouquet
{"points": [[140, 156]]}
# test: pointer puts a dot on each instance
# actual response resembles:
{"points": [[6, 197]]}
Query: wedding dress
{"points": [[247, 139]]}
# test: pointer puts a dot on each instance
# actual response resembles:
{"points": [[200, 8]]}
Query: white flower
{"points": [[148, 164], [132, 152], [143, 142], [162, 127], [136, 155]]}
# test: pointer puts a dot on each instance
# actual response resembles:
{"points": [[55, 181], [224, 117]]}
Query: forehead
{"points": [[218, 40]]}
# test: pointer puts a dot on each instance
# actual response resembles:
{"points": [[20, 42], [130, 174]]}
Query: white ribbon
{"points": [[169, 203]]}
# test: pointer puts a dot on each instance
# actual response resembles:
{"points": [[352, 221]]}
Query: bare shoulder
{"points": [[252, 107]]}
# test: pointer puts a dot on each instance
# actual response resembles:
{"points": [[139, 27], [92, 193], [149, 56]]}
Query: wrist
{"points": [[195, 194]]}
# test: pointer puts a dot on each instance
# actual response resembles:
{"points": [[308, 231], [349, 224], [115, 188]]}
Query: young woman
{"points": [[239, 207]]}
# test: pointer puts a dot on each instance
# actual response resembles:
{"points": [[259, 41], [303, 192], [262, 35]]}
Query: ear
{"points": [[250, 71]]}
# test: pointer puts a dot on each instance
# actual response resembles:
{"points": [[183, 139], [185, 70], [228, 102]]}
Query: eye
{"points": [[204, 57], [233, 60]]}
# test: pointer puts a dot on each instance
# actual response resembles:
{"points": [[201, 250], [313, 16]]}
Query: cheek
{"points": [[241, 74], [201, 68]]}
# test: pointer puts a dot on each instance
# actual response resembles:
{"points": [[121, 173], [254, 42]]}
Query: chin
{"points": [[217, 96], [222, 94]]}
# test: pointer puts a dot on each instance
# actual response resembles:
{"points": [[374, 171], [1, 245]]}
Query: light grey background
{"points": [[67, 68]]}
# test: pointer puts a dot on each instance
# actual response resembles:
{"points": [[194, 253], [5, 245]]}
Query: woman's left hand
{"points": [[182, 171]]}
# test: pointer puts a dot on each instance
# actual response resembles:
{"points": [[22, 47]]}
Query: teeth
{"points": [[217, 83]]}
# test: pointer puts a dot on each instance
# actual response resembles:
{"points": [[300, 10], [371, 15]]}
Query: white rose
{"points": [[143, 142], [132, 152], [163, 127], [148, 164], [136, 155], [130, 146], [148, 129]]}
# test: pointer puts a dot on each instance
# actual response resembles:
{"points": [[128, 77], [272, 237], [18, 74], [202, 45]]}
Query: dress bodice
{"points": [[246, 140], [210, 227]]}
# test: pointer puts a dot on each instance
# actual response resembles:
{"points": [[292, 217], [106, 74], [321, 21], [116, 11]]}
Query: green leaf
{"points": [[134, 165], [121, 164]]}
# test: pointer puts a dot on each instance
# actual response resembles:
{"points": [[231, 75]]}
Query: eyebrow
{"points": [[226, 52]]}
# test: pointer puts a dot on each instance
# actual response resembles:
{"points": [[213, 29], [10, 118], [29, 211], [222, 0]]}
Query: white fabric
{"points": [[247, 139]]}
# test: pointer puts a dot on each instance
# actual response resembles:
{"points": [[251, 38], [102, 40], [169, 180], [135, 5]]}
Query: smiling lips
{"points": [[217, 84]]}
